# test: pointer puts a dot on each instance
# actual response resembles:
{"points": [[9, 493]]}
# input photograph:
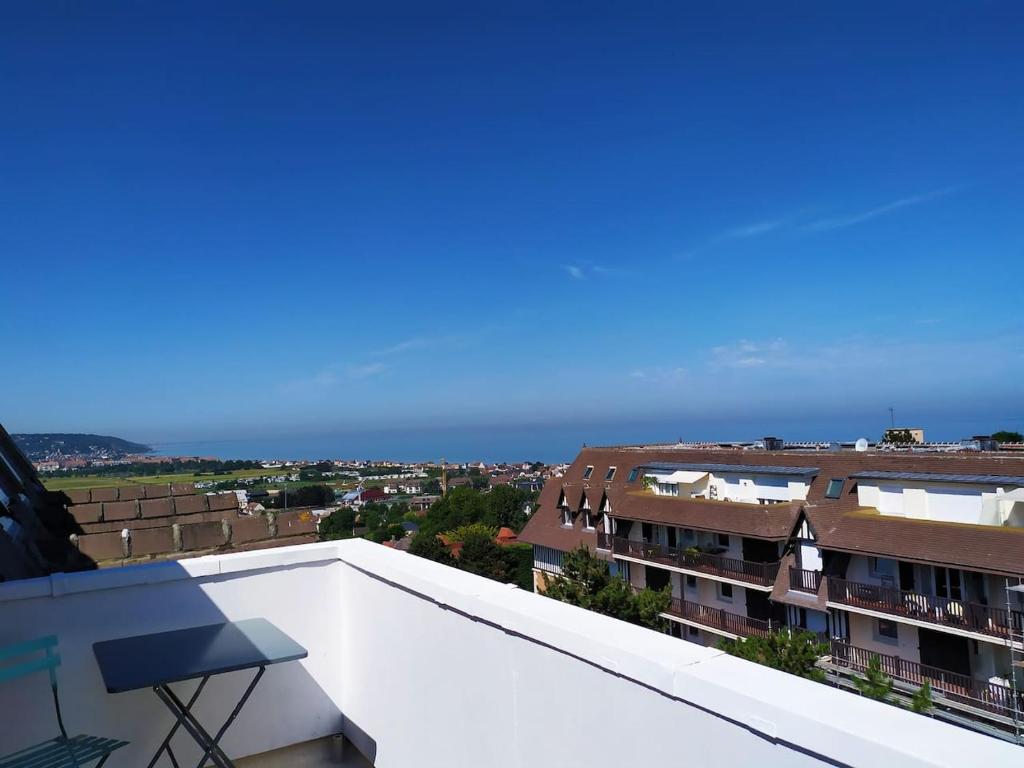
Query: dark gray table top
{"points": [[144, 661]]}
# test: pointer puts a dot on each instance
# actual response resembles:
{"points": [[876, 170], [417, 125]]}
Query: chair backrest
{"points": [[29, 657]]}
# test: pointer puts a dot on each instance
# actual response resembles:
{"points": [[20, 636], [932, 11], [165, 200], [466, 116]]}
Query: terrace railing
{"points": [[732, 623], [762, 574], [961, 614], [980, 694], [804, 581]]}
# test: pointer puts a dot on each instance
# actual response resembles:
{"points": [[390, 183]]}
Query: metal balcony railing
{"points": [[762, 574], [961, 688], [962, 614]]}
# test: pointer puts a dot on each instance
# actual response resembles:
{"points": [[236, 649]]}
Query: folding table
{"points": [[157, 660]]}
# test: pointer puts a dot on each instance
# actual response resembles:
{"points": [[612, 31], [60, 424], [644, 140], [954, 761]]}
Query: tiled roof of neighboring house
{"points": [[506, 536], [988, 548]]}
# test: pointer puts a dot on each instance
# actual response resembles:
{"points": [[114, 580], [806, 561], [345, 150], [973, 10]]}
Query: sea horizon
{"points": [[514, 443]]}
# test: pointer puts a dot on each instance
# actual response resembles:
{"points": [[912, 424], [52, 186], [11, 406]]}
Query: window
{"points": [[723, 540], [887, 631], [588, 472], [588, 521], [632, 474], [566, 516], [725, 591], [881, 567], [691, 581], [689, 536], [610, 474], [835, 488], [692, 631], [668, 489]]}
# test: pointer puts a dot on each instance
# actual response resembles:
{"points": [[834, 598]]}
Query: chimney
{"points": [[773, 443]]}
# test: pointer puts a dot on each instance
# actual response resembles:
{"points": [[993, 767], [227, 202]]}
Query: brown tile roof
{"points": [[771, 521], [987, 548], [544, 527]]}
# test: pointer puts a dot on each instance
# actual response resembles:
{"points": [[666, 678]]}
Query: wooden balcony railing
{"points": [[964, 689], [732, 623], [973, 617], [804, 581], [762, 574]]}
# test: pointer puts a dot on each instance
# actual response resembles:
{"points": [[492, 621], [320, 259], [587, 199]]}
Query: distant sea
{"points": [[498, 444], [548, 443]]}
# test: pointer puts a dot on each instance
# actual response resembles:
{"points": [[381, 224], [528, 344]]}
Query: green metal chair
{"points": [[17, 661]]}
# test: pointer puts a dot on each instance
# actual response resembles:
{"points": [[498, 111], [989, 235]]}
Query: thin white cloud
{"points": [[748, 354], [326, 380], [365, 371], [838, 222], [585, 271], [658, 374], [752, 230]]}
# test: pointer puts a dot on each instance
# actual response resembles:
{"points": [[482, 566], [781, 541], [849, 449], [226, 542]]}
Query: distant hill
{"points": [[44, 445]]}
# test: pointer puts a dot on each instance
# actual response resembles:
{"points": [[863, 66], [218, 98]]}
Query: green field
{"points": [[94, 481]]}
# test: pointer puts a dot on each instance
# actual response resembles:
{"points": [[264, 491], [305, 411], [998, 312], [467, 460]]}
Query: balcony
{"points": [[954, 614], [417, 664], [981, 695], [802, 580], [716, 618], [746, 571]]}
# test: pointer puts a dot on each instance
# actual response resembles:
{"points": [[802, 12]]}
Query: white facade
{"points": [[739, 486], [944, 501]]}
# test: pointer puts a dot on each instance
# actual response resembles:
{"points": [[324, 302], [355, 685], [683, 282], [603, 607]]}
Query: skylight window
{"points": [[610, 474], [633, 473], [835, 488], [588, 472]]}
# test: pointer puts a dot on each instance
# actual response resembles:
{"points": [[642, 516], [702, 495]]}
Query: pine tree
{"points": [[874, 684], [921, 701]]}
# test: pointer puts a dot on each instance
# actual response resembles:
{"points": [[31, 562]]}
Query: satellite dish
{"points": [[861, 445]]}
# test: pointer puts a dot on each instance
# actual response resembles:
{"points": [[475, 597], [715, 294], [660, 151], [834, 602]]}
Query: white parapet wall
{"points": [[423, 665]]}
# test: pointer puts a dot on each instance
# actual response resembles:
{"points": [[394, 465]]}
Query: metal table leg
{"points": [[166, 745], [185, 719]]}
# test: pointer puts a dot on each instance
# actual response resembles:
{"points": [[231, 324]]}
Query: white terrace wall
{"points": [[296, 590], [422, 665]]}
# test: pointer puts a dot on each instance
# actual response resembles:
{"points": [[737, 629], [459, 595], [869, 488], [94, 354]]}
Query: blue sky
{"points": [[297, 217]]}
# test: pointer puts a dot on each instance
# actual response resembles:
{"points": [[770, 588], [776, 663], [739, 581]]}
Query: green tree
{"points": [[874, 683], [921, 701], [505, 507], [471, 530], [796, 652], [480, 555], [338, 524], [459, 507], [586, 581], [1005, 436], [898, 437], [427, 545]]}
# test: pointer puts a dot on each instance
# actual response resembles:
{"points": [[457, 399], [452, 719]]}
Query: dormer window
{"points": [[609, 475], [588, 472], [835, 488], [566, 516]]}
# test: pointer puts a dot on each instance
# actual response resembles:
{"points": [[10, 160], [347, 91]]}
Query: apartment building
{"points": [[911, 557]]}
